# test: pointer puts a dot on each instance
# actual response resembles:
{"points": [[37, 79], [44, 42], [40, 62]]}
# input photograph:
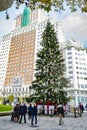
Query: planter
{"points": [[5, 113]]}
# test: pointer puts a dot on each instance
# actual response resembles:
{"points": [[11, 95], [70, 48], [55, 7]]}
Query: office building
{"points": [[75, 56], [19, 49]]}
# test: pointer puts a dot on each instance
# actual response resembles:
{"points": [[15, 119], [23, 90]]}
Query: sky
{"points": [[74, 24]]}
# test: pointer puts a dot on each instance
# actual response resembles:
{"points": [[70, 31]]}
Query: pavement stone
{"points": [[46, 123]]}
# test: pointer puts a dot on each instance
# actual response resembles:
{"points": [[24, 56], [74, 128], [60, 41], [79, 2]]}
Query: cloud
{"points": [[75, 26], [5, 25]]}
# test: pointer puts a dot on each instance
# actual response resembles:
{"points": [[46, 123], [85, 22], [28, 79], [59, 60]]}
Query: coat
{"points": [[60, 109], [34, 111], [23, 109]]}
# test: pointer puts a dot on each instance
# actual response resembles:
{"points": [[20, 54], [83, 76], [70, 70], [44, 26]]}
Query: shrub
{"points": [[5, 108]]}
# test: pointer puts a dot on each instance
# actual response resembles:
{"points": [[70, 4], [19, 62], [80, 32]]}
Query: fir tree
{"points": [[50, 83]]}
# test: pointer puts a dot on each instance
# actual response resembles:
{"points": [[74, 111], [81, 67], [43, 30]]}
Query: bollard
{"points": [[75, 112], [80, 113], [39, 112], [51, 113]]}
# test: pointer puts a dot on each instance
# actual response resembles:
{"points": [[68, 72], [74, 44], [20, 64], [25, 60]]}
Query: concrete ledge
{"points": [[5, 113]]}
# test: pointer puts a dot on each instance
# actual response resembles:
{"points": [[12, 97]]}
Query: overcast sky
{"points": [[74, 24]]}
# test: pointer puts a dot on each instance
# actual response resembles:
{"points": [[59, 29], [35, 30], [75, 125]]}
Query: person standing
{"points": [[60, 113], [81, 108], [23, 111], [12, 114], [16, 113], [29, 111], [34, 114]]}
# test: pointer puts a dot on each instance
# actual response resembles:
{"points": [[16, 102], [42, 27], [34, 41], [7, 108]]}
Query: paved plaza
{"points": [[46, 123]]}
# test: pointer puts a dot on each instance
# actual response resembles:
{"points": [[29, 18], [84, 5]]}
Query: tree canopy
{"points": [[58, 5]]}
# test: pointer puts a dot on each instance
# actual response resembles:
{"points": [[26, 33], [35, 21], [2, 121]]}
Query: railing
{"points": [[76, 112], [52, 112]]}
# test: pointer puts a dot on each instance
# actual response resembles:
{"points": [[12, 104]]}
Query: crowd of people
{"points": [[20, 111], [61, 110]]}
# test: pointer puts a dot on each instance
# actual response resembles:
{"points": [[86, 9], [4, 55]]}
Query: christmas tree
{"points": [[50, 82]]}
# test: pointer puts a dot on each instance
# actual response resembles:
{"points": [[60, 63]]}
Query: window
{"points": [[82, 99], [70, 57], [70, 72], [82, 86], [72, 85], [69, 53], [69, 48], [70, 62], [70, 67], [71, 77], [85, 86]]}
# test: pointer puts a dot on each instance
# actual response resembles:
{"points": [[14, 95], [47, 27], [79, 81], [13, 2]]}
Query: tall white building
{"points": [[18, 52], [75, 56], [4, 52], [18, 56]]}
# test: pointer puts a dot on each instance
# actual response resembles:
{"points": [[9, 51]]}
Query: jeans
{"points": [[21, 118], [32, 119], [60, 119]]}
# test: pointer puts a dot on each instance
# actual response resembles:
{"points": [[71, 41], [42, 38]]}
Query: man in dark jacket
{"points": [[16, 113], [34, 114], [29, 111], [61, 113], [23, 111]]}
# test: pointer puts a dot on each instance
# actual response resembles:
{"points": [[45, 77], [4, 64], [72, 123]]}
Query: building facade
{"points": [[18, 56], [20, 49], [75, 56]]}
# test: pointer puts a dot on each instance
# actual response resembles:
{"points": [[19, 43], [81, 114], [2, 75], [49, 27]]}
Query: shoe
{"points": [[60, 123]]}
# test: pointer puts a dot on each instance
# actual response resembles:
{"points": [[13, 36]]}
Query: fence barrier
{"points": [[75, 111]]}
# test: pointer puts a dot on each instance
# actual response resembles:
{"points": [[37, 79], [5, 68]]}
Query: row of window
{"points": [[82, 100], [82, 73], [81, 55], [81, 59], [71, 72], [82, 85], [29, 28], [16, 90], [82, 78]]}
